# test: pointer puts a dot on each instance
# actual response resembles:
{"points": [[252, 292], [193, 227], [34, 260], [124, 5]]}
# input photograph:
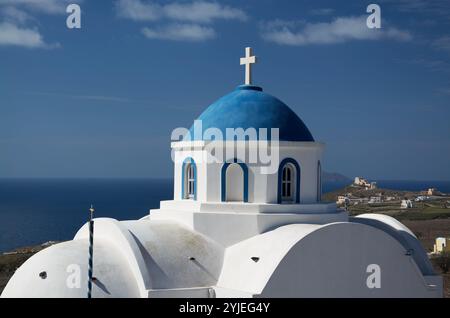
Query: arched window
{"points": [[189, 182], [319, 181], [289, 181], [287, 184]]}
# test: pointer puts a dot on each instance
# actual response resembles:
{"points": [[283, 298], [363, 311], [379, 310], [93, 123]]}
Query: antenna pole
{"points": [[91, 250]]}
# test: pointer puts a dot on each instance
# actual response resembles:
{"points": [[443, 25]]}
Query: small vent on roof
{"points": [[43, 275], [192, 258], [255, 259]]}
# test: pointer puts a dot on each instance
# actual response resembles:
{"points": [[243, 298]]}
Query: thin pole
{"points": [[91, 250]]}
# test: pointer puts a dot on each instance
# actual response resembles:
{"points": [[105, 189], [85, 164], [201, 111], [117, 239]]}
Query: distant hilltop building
{"points": [[406, 204], [376, 199], [342, 200], [430, 192], [421, 198], [442, 245], [433, 192], [233, 229], [360, 181]]}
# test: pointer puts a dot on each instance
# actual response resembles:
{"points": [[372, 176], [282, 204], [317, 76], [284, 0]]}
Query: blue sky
{"points": [[102, 101]]}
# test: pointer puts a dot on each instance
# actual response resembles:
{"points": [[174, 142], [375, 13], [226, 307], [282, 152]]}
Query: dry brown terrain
{"points": [[427, 231]]}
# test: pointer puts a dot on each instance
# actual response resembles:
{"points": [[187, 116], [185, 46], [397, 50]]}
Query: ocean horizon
{"points": [[35, 210]]}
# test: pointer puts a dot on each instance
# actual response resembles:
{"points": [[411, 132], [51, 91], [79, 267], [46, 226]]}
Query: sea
{"points": [[34, 211]]}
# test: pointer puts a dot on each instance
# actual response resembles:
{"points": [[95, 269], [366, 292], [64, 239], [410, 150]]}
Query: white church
{"points": [[236, 228]]}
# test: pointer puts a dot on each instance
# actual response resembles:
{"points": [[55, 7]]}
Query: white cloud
{"points": [[432, 65], [13, 35], [443, 91], [16, 22], [435, 7], [102, 98], [340, 30], [45, 6], [197, 11], [184, 21], [137, 10], [397, 34], [180, 32], [14, 15], [203, 12], [442, 43], [322, 11]]}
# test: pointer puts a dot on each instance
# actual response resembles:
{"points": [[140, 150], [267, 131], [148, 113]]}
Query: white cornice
{"points": [[201, 144]]}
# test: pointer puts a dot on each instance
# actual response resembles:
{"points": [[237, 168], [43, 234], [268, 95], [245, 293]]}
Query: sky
{"points": [[102, 100]]}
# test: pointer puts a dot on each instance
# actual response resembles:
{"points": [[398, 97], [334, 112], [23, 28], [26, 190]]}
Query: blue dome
{"points": [[248, 106]]}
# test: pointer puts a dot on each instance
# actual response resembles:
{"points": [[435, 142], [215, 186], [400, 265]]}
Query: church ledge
{"points": [[238, 207], [190, 292], [199, 292], [201, 144]]}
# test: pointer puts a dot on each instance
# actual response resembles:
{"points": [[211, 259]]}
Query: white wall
{"points": [[197, 155], [307, 157], [262, 188], [217, 225]]}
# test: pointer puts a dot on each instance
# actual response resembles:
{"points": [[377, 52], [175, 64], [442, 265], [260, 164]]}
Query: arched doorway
{"points": [[235, 183], [234, 178]]}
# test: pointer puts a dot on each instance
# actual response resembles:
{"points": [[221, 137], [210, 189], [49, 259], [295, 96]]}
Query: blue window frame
{"points": [[289, 174], [189, 179], [224, 179]]}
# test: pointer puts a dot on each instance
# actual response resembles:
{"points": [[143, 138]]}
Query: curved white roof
{"points": [[61, 262], [241, 272], [130, 258], [305, 260], [387, 220], [175, 256], [154, 257], [402, 234]]}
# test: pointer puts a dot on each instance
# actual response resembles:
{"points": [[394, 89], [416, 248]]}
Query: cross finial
{"points": [[248, 60], [92, 210]]}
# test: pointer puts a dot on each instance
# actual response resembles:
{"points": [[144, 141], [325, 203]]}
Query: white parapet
{"points": [[228, 223]]}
